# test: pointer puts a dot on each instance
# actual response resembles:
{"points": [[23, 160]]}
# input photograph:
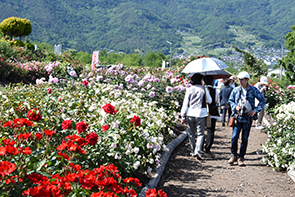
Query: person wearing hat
{"points": [[233, 84], [262, 87], [242, 102]]}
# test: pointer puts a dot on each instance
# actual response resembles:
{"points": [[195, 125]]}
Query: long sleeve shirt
{"points": [[194, 103], [250, 92]]}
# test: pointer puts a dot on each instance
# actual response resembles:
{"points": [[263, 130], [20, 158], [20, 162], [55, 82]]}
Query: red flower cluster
{"points": [[85, 83], [6, 168], [18, 122], [24, 136], [105, 127], [10, 149], [103, 179], [67, 124], [136, 120], [73, 144], [82, 127], [91, 138], [154, 193], [49, 90], [133, 180], [109, 109], [34, 115], [49, 132]]}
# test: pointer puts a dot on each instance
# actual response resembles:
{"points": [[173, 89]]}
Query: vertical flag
{"points": [[94, 59], [163, 64]]}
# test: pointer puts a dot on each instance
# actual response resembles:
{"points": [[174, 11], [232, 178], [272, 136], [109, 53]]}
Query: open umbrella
{"points": [[204, 65], [217, 74]]}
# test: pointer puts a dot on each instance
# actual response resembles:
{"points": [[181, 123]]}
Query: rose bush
{"points": [[70, 130], [280, 146]]}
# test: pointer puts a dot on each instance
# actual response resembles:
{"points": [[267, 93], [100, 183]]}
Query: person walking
{"points": [[233, 83], [242, 102], [213, 111], [194, 111], [224, 103], [262, 87]]}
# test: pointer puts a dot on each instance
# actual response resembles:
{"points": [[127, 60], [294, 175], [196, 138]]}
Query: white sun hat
{"points": [[264, 80], [243, 75]]}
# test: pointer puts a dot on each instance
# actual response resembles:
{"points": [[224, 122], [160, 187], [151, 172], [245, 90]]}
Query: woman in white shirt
{"points": [[194, 112]]}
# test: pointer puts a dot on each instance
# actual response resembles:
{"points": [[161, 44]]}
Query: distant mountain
{"points": [[146, 25]]}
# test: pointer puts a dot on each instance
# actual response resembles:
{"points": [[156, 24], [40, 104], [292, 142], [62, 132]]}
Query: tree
{"points": [[17, 27], [153, 59], [255, 67], [288, 62]]}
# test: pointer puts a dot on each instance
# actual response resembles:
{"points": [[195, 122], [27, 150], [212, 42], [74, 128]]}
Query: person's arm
{"points": [[184, 106], [231, 101]]}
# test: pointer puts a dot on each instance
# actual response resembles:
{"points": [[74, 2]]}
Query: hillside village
{"points": [[270, 57]]}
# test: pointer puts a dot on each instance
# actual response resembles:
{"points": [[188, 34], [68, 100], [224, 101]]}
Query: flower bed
{"points": [[280, 146], [72, 127]]}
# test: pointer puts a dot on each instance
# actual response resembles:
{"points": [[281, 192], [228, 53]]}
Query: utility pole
{"points": [[170, 51], [281, 64]]}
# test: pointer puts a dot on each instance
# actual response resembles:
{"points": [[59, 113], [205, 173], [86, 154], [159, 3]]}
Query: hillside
{"points": [[142, 25]]}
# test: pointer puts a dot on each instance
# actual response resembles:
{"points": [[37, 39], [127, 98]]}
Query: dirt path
{"points": [[187, 176]]}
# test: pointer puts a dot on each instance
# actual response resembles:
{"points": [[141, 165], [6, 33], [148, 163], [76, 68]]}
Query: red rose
{"points": [[7, 124], [136, 120], [85, 83], [49, 132], [82, 127], [3, 150], [109, 109], [105, 127], [67, 124], [49, 90], [92, 138], [27, 151], [38, 136], [6, 168], [34, 115]]}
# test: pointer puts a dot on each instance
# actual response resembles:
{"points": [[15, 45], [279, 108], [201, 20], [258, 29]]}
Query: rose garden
{"points": [[89, 132]]}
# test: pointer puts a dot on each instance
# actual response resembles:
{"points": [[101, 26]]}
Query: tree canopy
{"points": [[16, 27]]}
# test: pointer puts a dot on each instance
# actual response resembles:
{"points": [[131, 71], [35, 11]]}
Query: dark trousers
{"points": [[224, 110], [210, 135]]}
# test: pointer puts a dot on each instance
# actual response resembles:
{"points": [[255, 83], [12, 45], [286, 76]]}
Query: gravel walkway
{"points": [[187, 176]]}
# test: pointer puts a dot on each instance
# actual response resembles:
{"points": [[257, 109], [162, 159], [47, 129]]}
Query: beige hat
{"points": [[232, 77]]}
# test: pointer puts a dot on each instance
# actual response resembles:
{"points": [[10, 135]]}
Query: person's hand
{"points": [[182, 120], [238, 108], [251, 113]]}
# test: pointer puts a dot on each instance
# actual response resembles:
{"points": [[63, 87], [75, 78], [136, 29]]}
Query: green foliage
{"points": [[153, 59], [146, 25], [133, 60], [14, 26], [256, 67], [83, 57], [288, 62]]}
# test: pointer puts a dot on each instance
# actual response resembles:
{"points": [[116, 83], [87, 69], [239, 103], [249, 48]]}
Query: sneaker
{"points": [[259, 127], [241, 162], [223, 124], [232, 159]]}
